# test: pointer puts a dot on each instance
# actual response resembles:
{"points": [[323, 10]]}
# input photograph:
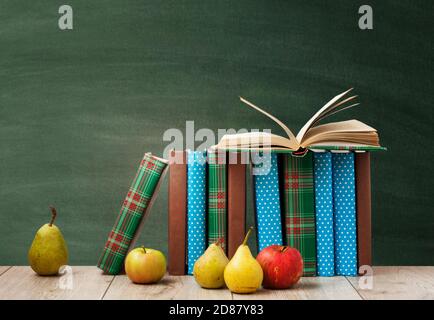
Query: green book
{"points": [[217, 198], [299, 208]]}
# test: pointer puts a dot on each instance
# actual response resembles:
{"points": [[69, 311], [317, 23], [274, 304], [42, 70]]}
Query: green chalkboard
{"points": [[78, 108]]}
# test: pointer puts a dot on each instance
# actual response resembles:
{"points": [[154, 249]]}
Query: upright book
{"points": [[196, 206], [344, 206], [363, 202], [217, 198], [236, 201], [267, 199], [323, 181], [134, 209], [299, 208], [350, 134], [177, 207]]}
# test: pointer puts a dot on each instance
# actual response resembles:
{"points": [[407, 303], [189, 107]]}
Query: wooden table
{"points": [[89, 283]]}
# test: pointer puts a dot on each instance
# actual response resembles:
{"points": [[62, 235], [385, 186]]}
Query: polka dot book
{"points": [[344, 204], [267, 200], [323, 176], [196, 207]]}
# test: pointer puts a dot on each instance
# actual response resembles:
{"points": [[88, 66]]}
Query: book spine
{"points": [[236, 203], [196, 206], [323, 177], [217, 203], [299, 208], [267, 200], [177, 207], [134, 208], [344, 206], [363, 202]]}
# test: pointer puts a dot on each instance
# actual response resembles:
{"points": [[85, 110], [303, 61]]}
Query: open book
{"points": [[346, 135]]}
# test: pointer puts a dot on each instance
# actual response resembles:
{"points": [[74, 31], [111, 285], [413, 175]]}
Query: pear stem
{"points": [[144, 249], [247, 236], [53, 215], [219, 241]]}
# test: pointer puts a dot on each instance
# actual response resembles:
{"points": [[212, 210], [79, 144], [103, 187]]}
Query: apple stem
{"points": [[53, 215], [247, 236], [284, 248], [144, 249]]}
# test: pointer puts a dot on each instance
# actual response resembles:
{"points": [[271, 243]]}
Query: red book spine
{"points": [[363, 202], [177, 227], [236, 202]]}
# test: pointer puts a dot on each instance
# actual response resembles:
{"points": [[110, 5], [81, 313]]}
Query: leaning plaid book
{"points": [[135, 206], [217, 204], [299, 210]]}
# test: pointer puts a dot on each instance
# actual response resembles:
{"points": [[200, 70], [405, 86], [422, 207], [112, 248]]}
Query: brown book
{"points": [[236, 202], [177, 212], [363, 202]]}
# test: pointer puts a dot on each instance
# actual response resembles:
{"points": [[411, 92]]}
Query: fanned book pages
{"points": [[135, 207], [323, 177], [344, 206], [217, 198], [342, 135], [196, 206], [267, 200], [299, 208]]}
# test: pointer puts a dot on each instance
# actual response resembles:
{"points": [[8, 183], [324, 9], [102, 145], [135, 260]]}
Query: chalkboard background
{"points": [[79, 108]]}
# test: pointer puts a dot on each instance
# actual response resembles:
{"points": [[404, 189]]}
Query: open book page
{"points": [[253, 140], [325, 111], [350, 131], [293, 142]]}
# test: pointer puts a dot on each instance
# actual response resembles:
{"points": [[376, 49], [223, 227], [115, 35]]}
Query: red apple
{"points": [[282, 266]]}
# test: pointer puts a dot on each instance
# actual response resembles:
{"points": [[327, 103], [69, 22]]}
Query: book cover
{"points": [[323, 181], [177, 207], [236, 202], [299, 208], [196, 207], [344, 206], [363, 202], [217, 194], [267, 200], [134, 209]]}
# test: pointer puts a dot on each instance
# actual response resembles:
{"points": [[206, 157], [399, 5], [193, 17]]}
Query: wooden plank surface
{"points": [[90, 283], [3, 269], [85, 283], [170, 287], [399, 283], [312, 288]]}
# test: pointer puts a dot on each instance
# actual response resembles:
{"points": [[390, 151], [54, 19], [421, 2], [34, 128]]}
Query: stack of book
{"points": [[311, 192]]}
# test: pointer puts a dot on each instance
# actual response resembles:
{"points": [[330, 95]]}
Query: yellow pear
{"points": [[208, 269], [48, 251], [243, 274]]}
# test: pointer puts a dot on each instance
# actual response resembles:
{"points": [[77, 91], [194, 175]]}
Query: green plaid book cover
{"points": [[299, 208], [217, 200], [133, 209]]}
